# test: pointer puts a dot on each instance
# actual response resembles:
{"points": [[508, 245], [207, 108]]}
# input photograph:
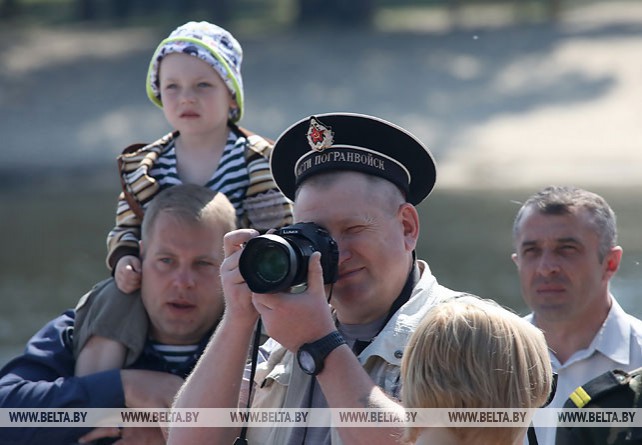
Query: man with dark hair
{"points": [[566, 253], [181, 255]]}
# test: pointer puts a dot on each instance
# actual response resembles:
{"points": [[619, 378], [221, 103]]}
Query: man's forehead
{"points": [[539, 227], [537, 241], [171, 232], [572, 216]]}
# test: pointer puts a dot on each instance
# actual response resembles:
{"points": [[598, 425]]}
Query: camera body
{"points": [[278, 261]]}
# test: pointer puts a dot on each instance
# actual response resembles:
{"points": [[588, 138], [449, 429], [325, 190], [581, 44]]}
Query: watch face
{"points": [[306, 361]]}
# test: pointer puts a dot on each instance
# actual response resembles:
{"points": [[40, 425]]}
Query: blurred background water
{"points": [[510, 96]]}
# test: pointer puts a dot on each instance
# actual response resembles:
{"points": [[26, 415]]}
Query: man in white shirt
{"points": [[566, 252]]}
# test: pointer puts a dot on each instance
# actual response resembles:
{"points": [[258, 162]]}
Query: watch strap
{"points": [[327, 344], [320, 349]]}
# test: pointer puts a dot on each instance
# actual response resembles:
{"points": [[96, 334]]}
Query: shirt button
{"points": [[398, 354]]}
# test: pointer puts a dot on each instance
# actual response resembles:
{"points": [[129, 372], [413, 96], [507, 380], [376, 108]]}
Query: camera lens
{"points": [[278, 261], [272, 263], [268, 263]]}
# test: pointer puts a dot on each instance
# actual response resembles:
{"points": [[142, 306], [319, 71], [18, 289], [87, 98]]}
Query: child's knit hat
{"points": [[210, 43]]}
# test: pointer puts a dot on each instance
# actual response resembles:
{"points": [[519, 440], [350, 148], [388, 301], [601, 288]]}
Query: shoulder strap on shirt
{"points": [[593, 389]]}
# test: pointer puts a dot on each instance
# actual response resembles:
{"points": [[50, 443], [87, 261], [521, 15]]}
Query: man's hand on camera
{"points": [[294, 319], [238, 297]]}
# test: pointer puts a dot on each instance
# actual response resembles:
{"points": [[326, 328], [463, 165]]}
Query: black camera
{"points": [[279, 261]]}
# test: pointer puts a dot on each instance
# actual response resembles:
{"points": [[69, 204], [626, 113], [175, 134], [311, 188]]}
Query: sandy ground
{"points": [[501, 105]]}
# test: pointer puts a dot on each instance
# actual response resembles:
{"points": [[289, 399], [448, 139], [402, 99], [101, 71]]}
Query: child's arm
{"points": [[123, 239], [100, 354]]}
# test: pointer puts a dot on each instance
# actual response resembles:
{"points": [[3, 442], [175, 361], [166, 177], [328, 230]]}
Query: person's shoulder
{"points": [[612, 389], [636, 325], [56, 327], [133, 150], [256, 144], [50, 345], [428, 287]]}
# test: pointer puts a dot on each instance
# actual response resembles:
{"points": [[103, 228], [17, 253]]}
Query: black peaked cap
{"points": [[358, 142]]}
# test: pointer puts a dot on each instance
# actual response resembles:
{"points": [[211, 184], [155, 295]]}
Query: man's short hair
{"points": [[561, 200], [190, 204], [473, 353], [393, 195]]}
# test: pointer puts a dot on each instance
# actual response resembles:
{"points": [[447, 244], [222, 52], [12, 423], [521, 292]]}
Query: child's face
{"points": [[195, 98]]}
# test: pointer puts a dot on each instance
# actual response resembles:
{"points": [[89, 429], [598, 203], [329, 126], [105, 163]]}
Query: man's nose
{"points": [[185, 277], [548, 264], [344, 252]]}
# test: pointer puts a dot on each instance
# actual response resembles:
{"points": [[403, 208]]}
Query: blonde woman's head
{"points": [[472, 353]]}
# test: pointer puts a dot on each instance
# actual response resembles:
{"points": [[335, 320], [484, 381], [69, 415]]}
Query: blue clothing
{"points": [[43, 377]]}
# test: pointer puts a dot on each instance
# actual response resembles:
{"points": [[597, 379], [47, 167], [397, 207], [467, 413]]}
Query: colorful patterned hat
{"points": [[210, 43]]}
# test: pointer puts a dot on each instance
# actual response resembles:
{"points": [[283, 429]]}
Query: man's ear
{"points": [[612, 260], [409, 218], [513, 257]]}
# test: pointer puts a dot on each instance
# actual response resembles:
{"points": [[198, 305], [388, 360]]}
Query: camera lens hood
{"points": [[268, 264]]}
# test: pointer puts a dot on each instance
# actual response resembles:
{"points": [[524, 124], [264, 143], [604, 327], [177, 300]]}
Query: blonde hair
{"points": [[472, 353], [387, 193], [191, 203]]}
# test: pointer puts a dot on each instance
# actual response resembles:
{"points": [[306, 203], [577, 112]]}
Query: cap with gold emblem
{"points": [[358, 142]]}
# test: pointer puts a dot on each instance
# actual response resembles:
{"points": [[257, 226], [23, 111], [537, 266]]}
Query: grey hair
{"points": [[560, 200], [394, 195]]}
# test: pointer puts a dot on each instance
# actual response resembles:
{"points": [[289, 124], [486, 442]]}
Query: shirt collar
{"points": [[613, 339]]}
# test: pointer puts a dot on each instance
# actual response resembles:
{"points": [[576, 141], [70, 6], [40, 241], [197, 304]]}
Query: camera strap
{"points": [[532, 437], [241, 440], [404, 296]]}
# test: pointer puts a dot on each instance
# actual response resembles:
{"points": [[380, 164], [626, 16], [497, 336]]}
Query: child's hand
{"points": [[127, 274]]}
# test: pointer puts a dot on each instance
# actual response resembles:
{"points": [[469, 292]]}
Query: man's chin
{"points": [[552, 312], [348, 292]]}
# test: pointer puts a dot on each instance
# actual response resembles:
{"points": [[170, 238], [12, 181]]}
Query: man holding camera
{"points": [[359, 177]]}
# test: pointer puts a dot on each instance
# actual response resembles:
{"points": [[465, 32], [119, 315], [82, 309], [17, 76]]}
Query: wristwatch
{"points": [[311, 356]]}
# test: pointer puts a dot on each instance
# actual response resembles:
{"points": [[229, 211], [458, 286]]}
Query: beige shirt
{"points": [[280, 383]]}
